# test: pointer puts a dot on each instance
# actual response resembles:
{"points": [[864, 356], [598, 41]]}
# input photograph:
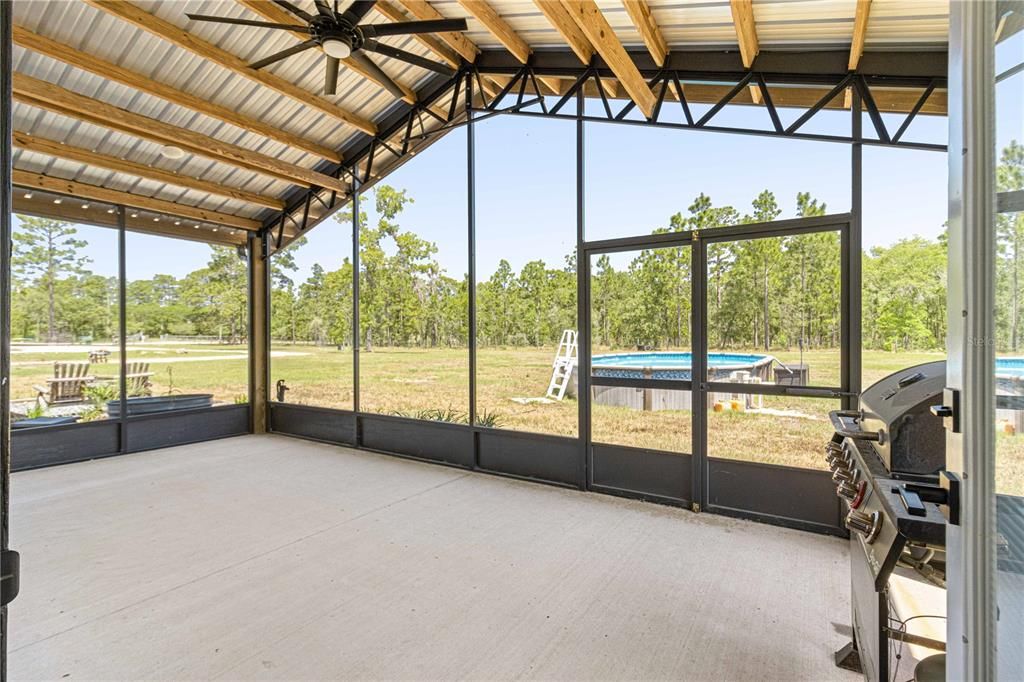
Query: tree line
{"points": [[770, 293]]}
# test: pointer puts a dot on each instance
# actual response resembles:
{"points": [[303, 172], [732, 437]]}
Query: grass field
{"points": [[410, 381]]}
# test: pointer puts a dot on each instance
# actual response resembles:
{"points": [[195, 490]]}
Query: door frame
{"points": [[699, 495]]}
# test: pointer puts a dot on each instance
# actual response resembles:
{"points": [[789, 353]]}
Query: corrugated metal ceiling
{"points": [[684, 23]]}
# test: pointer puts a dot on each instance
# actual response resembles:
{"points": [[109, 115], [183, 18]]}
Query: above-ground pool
{"points": [[669, 365], [665, 366]]}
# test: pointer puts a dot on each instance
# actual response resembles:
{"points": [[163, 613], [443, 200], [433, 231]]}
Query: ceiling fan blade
{"points": [[378, 74], [408, 27], [408, 57], [247, 22], [358, 9], [294, 9], [287, 52], [323, 8], [331, 76]]}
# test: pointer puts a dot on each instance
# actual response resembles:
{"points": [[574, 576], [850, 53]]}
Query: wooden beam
{"points": [[273, 12], [746, 30], [860, 32], [431, 42], [599, 32], [40, 204], [499, 28], [504, 34], [421, 9], [182, 38], [640, 12], [81, 60], [563, 22], [111, 196], [60, 150], [49, 96]]}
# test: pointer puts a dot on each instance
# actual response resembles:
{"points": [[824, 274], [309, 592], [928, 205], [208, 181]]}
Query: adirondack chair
{"points": [[137, 378], [69, 378]]}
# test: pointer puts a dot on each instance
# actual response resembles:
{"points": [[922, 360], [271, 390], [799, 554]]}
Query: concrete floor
{"points": [[269, 557]]}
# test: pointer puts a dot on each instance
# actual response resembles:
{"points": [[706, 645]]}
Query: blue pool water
{"points": [[667, 365], [681, 360], [1010, 367]]}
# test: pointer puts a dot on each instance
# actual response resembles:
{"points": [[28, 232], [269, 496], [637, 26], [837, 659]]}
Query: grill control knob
{"points": [[844, 474], [867, 525], [833, 449], [847, 491]]}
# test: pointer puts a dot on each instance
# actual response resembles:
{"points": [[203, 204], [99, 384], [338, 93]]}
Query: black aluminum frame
{"points": [[49, 445], [817, 490], [569, 461], [923, 71], [535, 452]]}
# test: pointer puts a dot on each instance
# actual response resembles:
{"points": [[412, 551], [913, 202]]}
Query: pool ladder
{"points": [[565, 361]]}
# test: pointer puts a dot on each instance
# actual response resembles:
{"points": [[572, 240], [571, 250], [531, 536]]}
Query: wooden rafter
{"points": [[746, 30], [498, 27], [599, 32], [563, 22], [274, 13], [60, 150], [96, 213], [431, 42], [68, 55], [49, 96], [421, 9], [111, 196], [640, 12], [504, 34], [182, 38], [860, 32]]}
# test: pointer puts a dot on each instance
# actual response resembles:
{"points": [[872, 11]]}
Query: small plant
{"points": [[241, 399], [489, 419], [36, 411], [98, 396], [435, 414]]}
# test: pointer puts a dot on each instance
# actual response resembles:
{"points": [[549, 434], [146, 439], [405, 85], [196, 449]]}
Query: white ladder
{"points": [[565, 361]]}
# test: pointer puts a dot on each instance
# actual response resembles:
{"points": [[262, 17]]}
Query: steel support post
{"points": [[357, 333], [122, 329], [259, 333], [583, 340], [471, 265], [10, 559]]}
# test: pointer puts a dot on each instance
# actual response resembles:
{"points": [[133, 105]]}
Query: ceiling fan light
{"points": [[338, 49], [171, 152]]}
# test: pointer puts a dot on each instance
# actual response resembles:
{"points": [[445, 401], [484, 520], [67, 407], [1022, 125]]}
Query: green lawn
{"points": [[411, 380]]}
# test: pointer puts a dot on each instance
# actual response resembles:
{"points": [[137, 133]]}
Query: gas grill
{"points": [[887, 460]]}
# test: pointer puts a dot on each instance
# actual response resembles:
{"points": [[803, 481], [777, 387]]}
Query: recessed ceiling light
{"points": [[338, 49], [156, 220], [171, 152], [215, 229], [135, 215], [177, 222], [28, 195], [111, 210], [57, 201], [85, 206]]}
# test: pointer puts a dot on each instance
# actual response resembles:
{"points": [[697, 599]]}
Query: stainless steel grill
{"points": [[887, 458]]}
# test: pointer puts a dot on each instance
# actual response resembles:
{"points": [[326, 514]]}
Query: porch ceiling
{"points": [[101, 87]]}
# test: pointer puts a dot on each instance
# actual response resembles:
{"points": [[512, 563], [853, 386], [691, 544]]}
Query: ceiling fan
{"points": [[341, 36]]}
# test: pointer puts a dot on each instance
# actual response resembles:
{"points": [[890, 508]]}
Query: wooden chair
{"points": [[137, 378], [69, 379]]}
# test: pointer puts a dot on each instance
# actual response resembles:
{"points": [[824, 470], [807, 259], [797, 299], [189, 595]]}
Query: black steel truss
{"points": [[405, 132]]}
